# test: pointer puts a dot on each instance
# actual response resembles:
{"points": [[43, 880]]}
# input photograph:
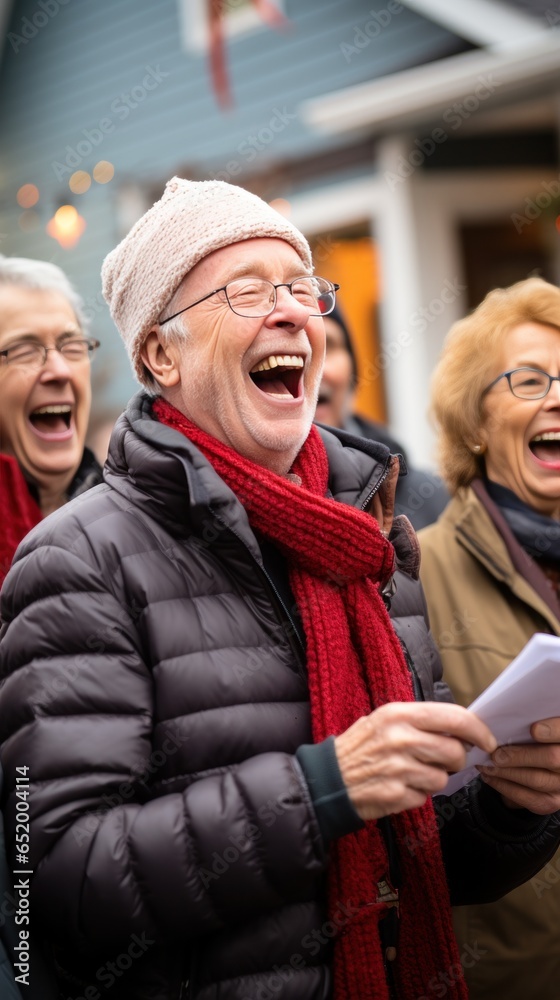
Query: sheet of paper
{"points": [[526, 691]]}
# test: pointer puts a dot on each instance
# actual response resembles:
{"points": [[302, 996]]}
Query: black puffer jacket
{"points": [[157, 693]]}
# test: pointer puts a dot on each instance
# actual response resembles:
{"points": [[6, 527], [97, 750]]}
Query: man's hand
{"points": [[528, 776], [396, 757]]}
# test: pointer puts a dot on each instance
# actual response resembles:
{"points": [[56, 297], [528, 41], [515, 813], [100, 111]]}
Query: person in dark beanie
{"points": [[420, 495], [231, 746]]}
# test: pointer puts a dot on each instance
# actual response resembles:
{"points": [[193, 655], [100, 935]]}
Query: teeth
{"points": [[278, 360], [547, 436], [53, 409]]}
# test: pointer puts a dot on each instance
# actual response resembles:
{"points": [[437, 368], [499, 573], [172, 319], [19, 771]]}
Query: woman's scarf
{"points": [[538, 534], [18, 511], [338, 560]]}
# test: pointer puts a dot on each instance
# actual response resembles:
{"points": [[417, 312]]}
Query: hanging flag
{"points": [[218, 68]]}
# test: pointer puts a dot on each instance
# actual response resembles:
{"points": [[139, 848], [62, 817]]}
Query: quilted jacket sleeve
{"points": [[489, 849], [107, 862]]}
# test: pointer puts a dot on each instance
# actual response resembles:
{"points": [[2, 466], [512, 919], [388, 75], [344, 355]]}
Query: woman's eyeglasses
{"points": [[526, 383]]}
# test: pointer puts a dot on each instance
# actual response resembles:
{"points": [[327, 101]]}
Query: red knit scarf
{"points": [[337, 559], [18, 511]]}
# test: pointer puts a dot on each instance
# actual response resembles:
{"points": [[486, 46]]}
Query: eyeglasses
{"points": [[32, 355], [526, 383], [256, 297]]}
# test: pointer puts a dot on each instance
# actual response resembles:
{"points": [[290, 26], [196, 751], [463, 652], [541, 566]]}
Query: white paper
{"points": [[525, 692]]}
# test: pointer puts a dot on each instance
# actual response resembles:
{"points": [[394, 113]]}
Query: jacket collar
{"points": [[483, 531], [521, 560], [471, 522], [165, 471], [89, 473]]}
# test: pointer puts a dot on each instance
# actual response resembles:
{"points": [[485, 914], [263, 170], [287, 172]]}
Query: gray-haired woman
{"points": [[45, 397]]}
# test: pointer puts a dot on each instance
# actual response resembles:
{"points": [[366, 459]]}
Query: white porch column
{"points": [[403, 358]]}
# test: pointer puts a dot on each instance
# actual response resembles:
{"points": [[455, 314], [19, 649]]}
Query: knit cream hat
{"points": [[192, 219]]}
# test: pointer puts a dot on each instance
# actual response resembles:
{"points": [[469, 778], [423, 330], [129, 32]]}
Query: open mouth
{"points": [[279, 375], [546, 447], [51, 420]]}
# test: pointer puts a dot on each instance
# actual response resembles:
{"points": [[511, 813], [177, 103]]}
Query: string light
{"points": [[80, 182], [27, 196], [103, 172], [66, 226]]}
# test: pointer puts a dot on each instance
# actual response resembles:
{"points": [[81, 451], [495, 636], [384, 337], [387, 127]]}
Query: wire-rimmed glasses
{"points": [[31, 354], [256, 297]]}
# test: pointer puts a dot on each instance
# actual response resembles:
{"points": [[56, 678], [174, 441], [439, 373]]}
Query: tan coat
{"points": [[482, 612]]}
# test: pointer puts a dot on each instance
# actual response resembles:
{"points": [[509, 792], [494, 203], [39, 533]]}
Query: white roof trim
{"points": [[427, 92], [484, 22], [340, 204]]}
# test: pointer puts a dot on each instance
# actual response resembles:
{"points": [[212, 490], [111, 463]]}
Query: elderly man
{"points": [[228, 778]]}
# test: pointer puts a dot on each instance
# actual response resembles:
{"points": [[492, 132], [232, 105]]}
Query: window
{"points": [[239, 17]]}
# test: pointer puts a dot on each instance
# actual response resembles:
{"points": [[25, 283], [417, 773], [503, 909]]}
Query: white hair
{"points": [[40, 275], [176, 331]]}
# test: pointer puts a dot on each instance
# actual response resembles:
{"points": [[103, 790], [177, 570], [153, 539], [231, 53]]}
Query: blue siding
{"points": [[72, 74]]}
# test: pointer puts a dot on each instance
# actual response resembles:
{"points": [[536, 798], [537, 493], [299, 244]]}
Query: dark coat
{"points": [[158, 694], [421, 495], [87, 475]]}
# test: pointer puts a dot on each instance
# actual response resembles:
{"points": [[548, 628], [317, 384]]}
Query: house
{"points": [[416, 144]]}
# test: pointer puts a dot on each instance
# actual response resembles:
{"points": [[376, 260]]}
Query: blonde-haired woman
{"points": [[491, 570]]}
